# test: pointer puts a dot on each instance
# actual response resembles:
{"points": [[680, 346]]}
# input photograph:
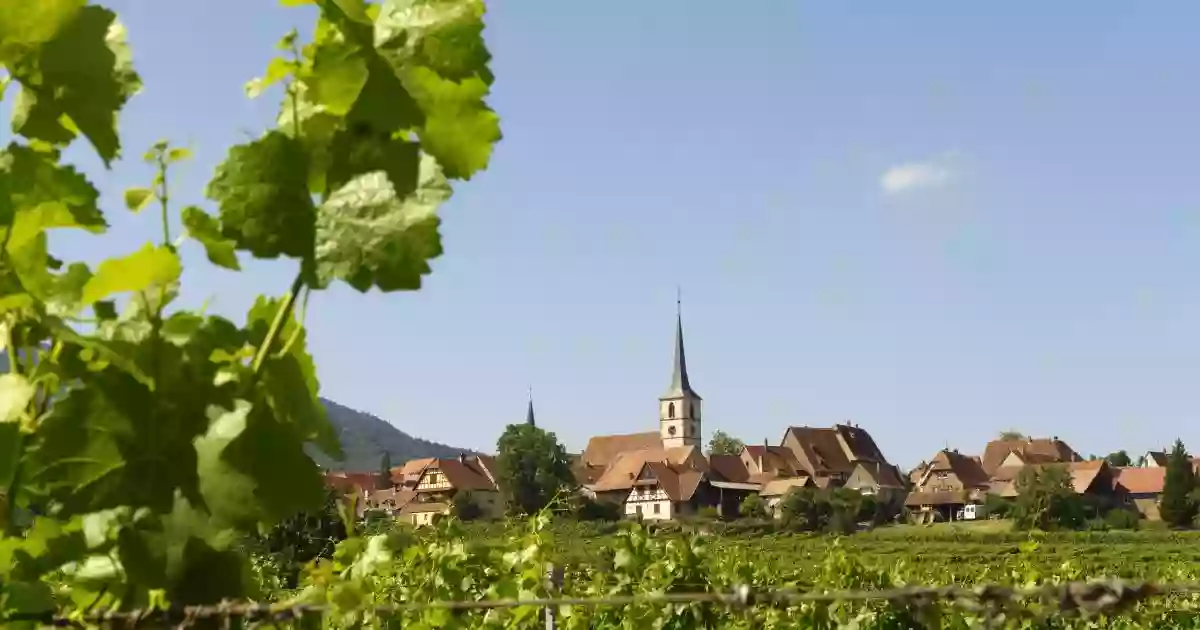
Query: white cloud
{"points": [[910, 176]]}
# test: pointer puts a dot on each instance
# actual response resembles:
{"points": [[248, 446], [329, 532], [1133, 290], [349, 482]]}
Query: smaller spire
{"points": [[529, 412]]}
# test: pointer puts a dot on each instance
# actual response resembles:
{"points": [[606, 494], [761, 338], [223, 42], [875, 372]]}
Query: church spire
{"points": [[680, 385], [529, 412]]}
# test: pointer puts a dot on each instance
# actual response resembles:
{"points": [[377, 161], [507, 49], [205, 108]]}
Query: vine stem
{"points": [[162, 197], [285, 310]]}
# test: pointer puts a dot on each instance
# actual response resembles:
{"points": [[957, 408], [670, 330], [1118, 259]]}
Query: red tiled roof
{"points": [[728, 468], [1031, 450], [603, 449], [1141, 480]]}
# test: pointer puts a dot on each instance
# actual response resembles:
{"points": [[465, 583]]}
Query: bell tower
{"points": [[679, 408]]}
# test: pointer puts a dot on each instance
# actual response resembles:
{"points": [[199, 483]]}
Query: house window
{"points": [[656, 506], [639, 510], [670, 410]]}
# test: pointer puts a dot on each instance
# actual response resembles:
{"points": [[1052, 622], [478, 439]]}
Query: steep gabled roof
{"points": [[465, 473], [728, 468], [968, 469], [623, 472], [834, 449], [1031, 450], [1141, 480], [603, 449]]}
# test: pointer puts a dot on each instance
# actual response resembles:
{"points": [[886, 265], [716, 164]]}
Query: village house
{"points": [[360, 486], [948, 483], [1142, 487], [440, 483], [834, 456], [1094, 479]]}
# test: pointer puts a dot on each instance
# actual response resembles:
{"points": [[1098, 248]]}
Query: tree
{"points": [[533, 468], [724, 444], [753, 506], [1119, 458], [1177, 507], [1046, 500], [385, 471], [1012, 434], [465, 507]]}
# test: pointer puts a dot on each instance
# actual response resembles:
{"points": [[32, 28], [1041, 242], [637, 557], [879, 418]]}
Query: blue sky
{"points": [[938, 220]]}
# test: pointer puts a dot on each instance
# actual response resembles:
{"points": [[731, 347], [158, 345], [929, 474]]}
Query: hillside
{"points": [[365, 438]]}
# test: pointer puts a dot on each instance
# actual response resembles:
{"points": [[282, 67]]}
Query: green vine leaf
{"points": [[368, 236], [76, 82], [253, 468], [437, 48], [25, 27], [137, 198], [43, 195], [207, 231], [262, 192], [289, 379], [148, 267]]}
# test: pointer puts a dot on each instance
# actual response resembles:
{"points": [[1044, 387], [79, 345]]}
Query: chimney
{"points": [[763, 457]]}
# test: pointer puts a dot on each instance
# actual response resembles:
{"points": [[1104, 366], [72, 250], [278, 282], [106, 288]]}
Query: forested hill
{"points": [[365, 438]]}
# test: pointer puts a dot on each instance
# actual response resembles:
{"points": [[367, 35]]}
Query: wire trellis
{"points": [[1085, 599]]}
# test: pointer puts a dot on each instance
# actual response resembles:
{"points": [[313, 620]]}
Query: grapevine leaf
{"points": [[289, 380], [253, 468], [437, 48], [338, 73], [445, 36], [24, 26], [101, 447], [78, 81], [137, 198], [67, 289], [264, 202], [15, 394], [352, 154], [460, 129], [277, 70], [207, 231], [51, 195], [367, 235], [178, 154], [150, 266]]}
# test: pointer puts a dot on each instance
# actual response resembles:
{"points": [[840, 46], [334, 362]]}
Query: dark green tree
{"points": [[1046, 500], [1178, 506], [753, 506], [724, 444], [385, 471], [533, 468], [465, 507], [1120, 458]]}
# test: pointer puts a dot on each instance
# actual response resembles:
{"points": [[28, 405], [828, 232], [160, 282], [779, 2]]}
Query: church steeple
{"points": [[529, 412], [679, 407], [680, 384]]}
